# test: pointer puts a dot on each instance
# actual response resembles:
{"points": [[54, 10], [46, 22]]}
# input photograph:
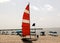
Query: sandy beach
{"points": [[17, 39], [48, 39]]}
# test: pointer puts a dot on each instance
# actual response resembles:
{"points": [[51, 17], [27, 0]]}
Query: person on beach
{"points": [[37, 36]]}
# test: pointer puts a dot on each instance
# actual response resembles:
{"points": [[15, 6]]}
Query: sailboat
{"points": [[26, 23]]}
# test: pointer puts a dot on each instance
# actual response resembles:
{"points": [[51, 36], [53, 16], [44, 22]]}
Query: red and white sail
{"points": [[26, 22]]}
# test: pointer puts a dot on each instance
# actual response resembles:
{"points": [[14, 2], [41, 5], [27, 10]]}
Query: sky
{"points": [[45, 13]]}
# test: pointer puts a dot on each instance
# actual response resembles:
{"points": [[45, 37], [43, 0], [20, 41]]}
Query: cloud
{"points": [[2, 1], [35, 8], [48, 7]]}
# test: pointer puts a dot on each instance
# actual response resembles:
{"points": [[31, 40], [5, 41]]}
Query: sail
{"points": [[26, 22]]}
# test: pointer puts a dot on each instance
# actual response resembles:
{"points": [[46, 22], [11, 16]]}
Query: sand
{"points": [[48, 39], [10, 39], [17, 39]]}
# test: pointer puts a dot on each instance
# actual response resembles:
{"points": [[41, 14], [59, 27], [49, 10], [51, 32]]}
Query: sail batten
{"points": [[26, 11], [26, 22]]}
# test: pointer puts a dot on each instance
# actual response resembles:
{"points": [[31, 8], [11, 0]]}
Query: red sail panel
{"points": [[26, 22], [26, 16], [26, 30], [27, 7]]}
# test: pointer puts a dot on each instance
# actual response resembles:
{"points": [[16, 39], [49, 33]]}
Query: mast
{"points": [[30, 28]]}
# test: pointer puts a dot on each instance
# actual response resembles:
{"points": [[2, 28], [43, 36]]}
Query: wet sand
{"points": [[17, 39]]}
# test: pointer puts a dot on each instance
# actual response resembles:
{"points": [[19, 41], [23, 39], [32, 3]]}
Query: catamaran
{"points": [[26, 23]]}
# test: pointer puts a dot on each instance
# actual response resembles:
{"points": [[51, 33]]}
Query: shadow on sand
{"points": [[25, 40]]}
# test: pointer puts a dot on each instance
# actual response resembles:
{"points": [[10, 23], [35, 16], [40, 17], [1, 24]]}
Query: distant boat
{"points": [[53, 33]]}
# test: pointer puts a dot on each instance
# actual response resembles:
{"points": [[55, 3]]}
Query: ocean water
{"points": [[47, 30]]}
